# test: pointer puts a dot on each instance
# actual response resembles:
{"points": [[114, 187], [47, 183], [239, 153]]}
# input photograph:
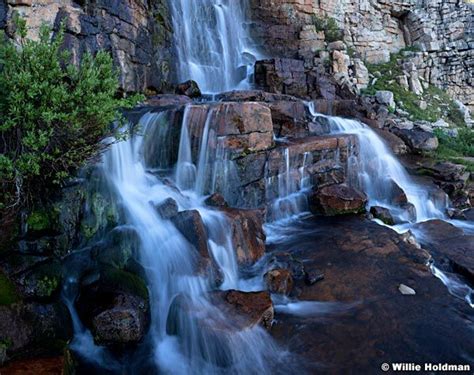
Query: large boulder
{"points": [[337, 200], [114, 304], [248, 237], [191, 226], [418, 140]]}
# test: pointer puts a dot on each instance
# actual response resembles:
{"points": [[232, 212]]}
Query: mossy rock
{"points": [[41, 222], [8, 293], [124, 281], [120, 246], [42, 282]]}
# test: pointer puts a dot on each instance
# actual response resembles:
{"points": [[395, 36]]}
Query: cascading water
{"points": [[171, 262], [212, 43], [377, 170]]}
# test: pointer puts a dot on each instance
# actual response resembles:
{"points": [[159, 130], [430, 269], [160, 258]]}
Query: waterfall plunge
{"points": [[212, 44]]}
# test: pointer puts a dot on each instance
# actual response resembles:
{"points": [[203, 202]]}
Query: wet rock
{"points": [[449, 242], [456, 214], [28, 329], [249, 308], [118, 247], [114, 304], [215, 200], [166, 100], [396, 144], [191, 226], [288, 262], [189, 88], [167, 208], [313, 276], [382, 214], [289, 118], [406, 290], [279, 281], [410, 211], [41, 282], [253, 96], [337, 200], [244, 127], [124, 323], [418, 140], [248, 236]]}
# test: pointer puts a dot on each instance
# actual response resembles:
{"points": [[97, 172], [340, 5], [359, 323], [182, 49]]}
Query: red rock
{"points": [[279, 281], [337, 200]]}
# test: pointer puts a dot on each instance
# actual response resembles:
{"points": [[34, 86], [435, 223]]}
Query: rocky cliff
{"points": [[137, 32], [440, 30]]}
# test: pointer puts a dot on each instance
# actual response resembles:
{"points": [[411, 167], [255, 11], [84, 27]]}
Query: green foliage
{"points": [[53, 114], [38, 221], [330, 27], [8, 293], [439, 103]]}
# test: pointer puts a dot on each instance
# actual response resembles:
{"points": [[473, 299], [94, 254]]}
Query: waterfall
{"points": [[212, 44], [377, 170]]}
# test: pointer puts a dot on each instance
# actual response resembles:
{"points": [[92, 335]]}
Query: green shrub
{"points": [[330, 27], [53, 114]]}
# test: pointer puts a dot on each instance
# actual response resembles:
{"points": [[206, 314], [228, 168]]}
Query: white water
{"points": [[171, 264], [212, 43], [376, 169]]}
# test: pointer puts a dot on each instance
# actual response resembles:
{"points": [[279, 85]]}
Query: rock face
{"points": [[337, 200], [419, 140], [373, 30], [137, 33]]}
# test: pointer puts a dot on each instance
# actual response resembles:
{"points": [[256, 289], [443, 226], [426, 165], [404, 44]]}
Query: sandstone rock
{"points": [[289, 118], [279, 281], [418, 140], [382, 214], [385, 98], [248, 236], [167, 208], [281, 76], [337, 200], [189, 88]]}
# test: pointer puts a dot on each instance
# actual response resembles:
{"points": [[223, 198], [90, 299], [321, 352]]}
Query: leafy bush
{"points": [[53, 114], [330, 27]]}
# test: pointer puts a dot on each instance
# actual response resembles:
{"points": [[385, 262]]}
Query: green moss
{"points": [[8, 293], [125, 281], [456, 149], [38, 221]]}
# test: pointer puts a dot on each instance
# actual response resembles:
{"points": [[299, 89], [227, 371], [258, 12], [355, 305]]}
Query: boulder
{"points": [[124, 323], [337, 200], [382, 214], [114, 304], [191, 226], [445, 171], [279, 281], [167, 208], [418, 140], [248, 237], [385, 98], [189, 88]]}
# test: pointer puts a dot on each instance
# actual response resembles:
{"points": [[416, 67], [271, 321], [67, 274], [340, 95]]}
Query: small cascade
{"points": [[170, 262], [212, 44], [379, 174], [286, 192]]}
